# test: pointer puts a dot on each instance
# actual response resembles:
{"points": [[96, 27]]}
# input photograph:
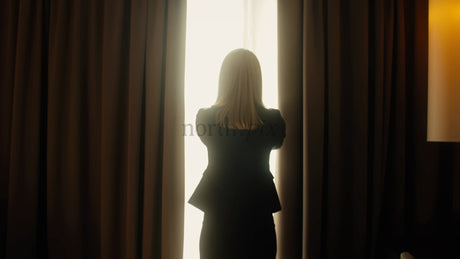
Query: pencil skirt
{"points": [[238, 236]]}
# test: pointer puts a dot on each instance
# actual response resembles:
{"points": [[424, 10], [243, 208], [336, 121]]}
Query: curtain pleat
{"points": [[23, 126], [91, 147], [353, 90], [289, 221]]}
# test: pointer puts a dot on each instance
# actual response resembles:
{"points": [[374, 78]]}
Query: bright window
{"points": [[214, 28]]}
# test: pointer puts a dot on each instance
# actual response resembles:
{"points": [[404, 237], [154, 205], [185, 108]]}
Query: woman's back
{"points": [[238, 176]]}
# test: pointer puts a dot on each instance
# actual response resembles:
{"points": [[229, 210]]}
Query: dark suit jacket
{"points": [[238, 176]]}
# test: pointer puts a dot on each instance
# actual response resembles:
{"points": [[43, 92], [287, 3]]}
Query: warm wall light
{"points": [[444, 71]]}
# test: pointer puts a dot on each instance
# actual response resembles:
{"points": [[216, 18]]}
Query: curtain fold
{"points": [[357, 177], [91, 141]]}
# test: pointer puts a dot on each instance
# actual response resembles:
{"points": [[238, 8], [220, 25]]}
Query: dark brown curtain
{"points": [[90, 140], [357, 177]]}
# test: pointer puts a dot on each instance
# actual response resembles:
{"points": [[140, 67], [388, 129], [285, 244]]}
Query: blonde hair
{"points": [[240, 90]]}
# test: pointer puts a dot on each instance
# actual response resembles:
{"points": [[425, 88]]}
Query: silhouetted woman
{"points": [[236, 192]]}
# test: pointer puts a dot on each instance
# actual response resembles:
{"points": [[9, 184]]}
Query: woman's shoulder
{"points": [[206, 114], [269, 113]]}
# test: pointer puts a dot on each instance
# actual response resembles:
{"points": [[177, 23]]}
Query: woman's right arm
{"points": [[278, 129]]}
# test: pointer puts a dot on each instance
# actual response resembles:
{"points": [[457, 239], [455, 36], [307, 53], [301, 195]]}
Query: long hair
{"points": [[240, 90]]}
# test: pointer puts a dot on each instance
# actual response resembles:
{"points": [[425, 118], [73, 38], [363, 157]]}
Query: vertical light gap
{"points": [[214, 28], [246, 23]]}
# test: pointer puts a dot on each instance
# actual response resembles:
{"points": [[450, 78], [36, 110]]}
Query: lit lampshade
{"points": [[444, 71]]}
